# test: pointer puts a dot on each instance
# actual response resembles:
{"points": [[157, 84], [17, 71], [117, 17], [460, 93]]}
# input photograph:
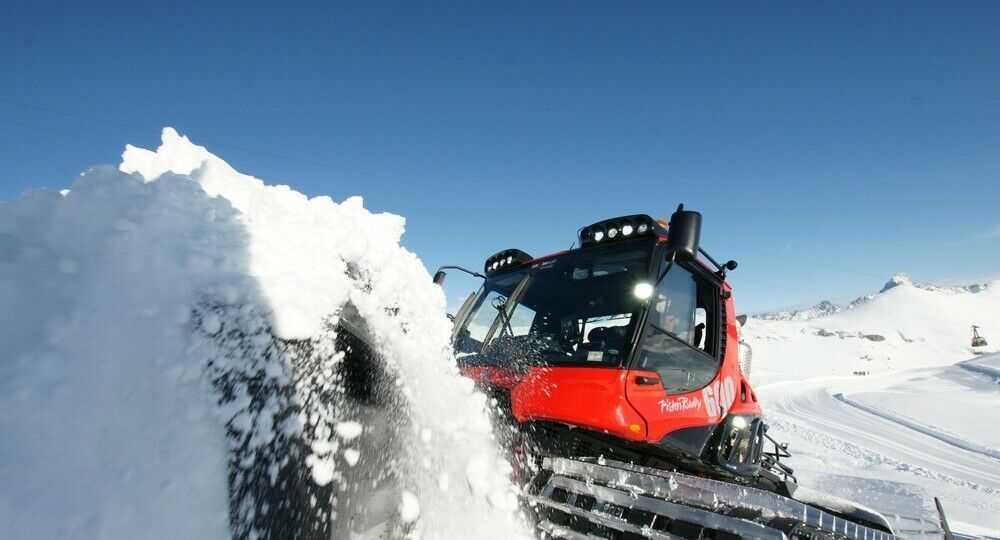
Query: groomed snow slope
{"points": [[154, 321], [884, 401]]}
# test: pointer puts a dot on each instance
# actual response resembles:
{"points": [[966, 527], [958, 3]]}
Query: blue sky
{"points": [[828, 144]]}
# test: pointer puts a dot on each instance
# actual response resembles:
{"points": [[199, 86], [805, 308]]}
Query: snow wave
{"points": [[175, 324], [106, 425]]}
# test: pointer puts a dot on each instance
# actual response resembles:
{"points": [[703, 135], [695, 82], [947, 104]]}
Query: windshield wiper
{"points": [[504, 311], [501, 307]]}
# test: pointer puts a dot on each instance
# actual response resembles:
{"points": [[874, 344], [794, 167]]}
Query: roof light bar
{"points": [[620, 228], [502, 261]]}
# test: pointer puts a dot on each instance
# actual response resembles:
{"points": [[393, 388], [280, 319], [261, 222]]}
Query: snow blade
{"points": [[585, 498]]}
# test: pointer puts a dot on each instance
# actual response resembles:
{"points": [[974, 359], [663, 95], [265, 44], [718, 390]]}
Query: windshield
{"points": [[575, 309]]}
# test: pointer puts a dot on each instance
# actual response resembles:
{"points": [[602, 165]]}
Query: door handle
{"points": [[643, 380]]}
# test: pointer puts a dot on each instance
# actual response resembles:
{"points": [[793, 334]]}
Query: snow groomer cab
{"points": [[615, 377], [624, 347]]}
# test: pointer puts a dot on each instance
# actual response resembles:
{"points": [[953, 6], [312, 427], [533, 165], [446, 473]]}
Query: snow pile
{"points": [[176, 322], [105, 421], [905, 325], [299, 248]]}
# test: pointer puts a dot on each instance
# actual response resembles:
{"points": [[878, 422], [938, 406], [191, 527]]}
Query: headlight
{"points": [[643, 291], [741, 444]]}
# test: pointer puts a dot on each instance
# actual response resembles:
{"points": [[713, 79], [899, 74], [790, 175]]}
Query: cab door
{"points": [[673, 380]]}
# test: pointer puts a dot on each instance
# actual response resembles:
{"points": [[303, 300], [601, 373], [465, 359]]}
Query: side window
{"points": [[673, 304], [681, 368], [521, 320], [681, 337]]}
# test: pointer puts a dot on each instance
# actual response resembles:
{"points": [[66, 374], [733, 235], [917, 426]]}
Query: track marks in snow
{"points": [[823, 413], [866, 458], [930, 431], [987, 365], [828, 437]]}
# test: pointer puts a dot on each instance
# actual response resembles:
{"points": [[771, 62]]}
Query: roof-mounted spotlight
{"points": [[505, 260], [620, 228]]}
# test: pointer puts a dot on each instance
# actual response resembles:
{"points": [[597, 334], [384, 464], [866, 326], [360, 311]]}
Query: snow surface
{"points": [[987, 365], [904, 326], [298, 247], [409, 507], [105, 419], [884, 401], [144, 307]]}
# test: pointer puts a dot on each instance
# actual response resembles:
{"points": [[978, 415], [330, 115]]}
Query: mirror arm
{"points": [[721, 268], [466, 270], [710, 259]]}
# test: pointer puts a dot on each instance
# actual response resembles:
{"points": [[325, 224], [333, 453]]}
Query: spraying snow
{"points": [[106, 425], [177, 327]]}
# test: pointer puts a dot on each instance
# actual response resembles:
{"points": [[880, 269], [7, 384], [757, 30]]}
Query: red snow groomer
{"points": [[616, 368]]}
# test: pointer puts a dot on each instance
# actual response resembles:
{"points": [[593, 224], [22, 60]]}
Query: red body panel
{"points": [[493, 376], [592, 398]]}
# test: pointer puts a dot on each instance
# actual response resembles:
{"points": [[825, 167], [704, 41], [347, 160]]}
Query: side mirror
{"points": [[441, 274], [741, 319], [684, 234]]}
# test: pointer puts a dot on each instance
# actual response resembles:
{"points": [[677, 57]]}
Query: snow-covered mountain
{"points": [[820, 309], [827, 307], [884, 400], [904, 325]]}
